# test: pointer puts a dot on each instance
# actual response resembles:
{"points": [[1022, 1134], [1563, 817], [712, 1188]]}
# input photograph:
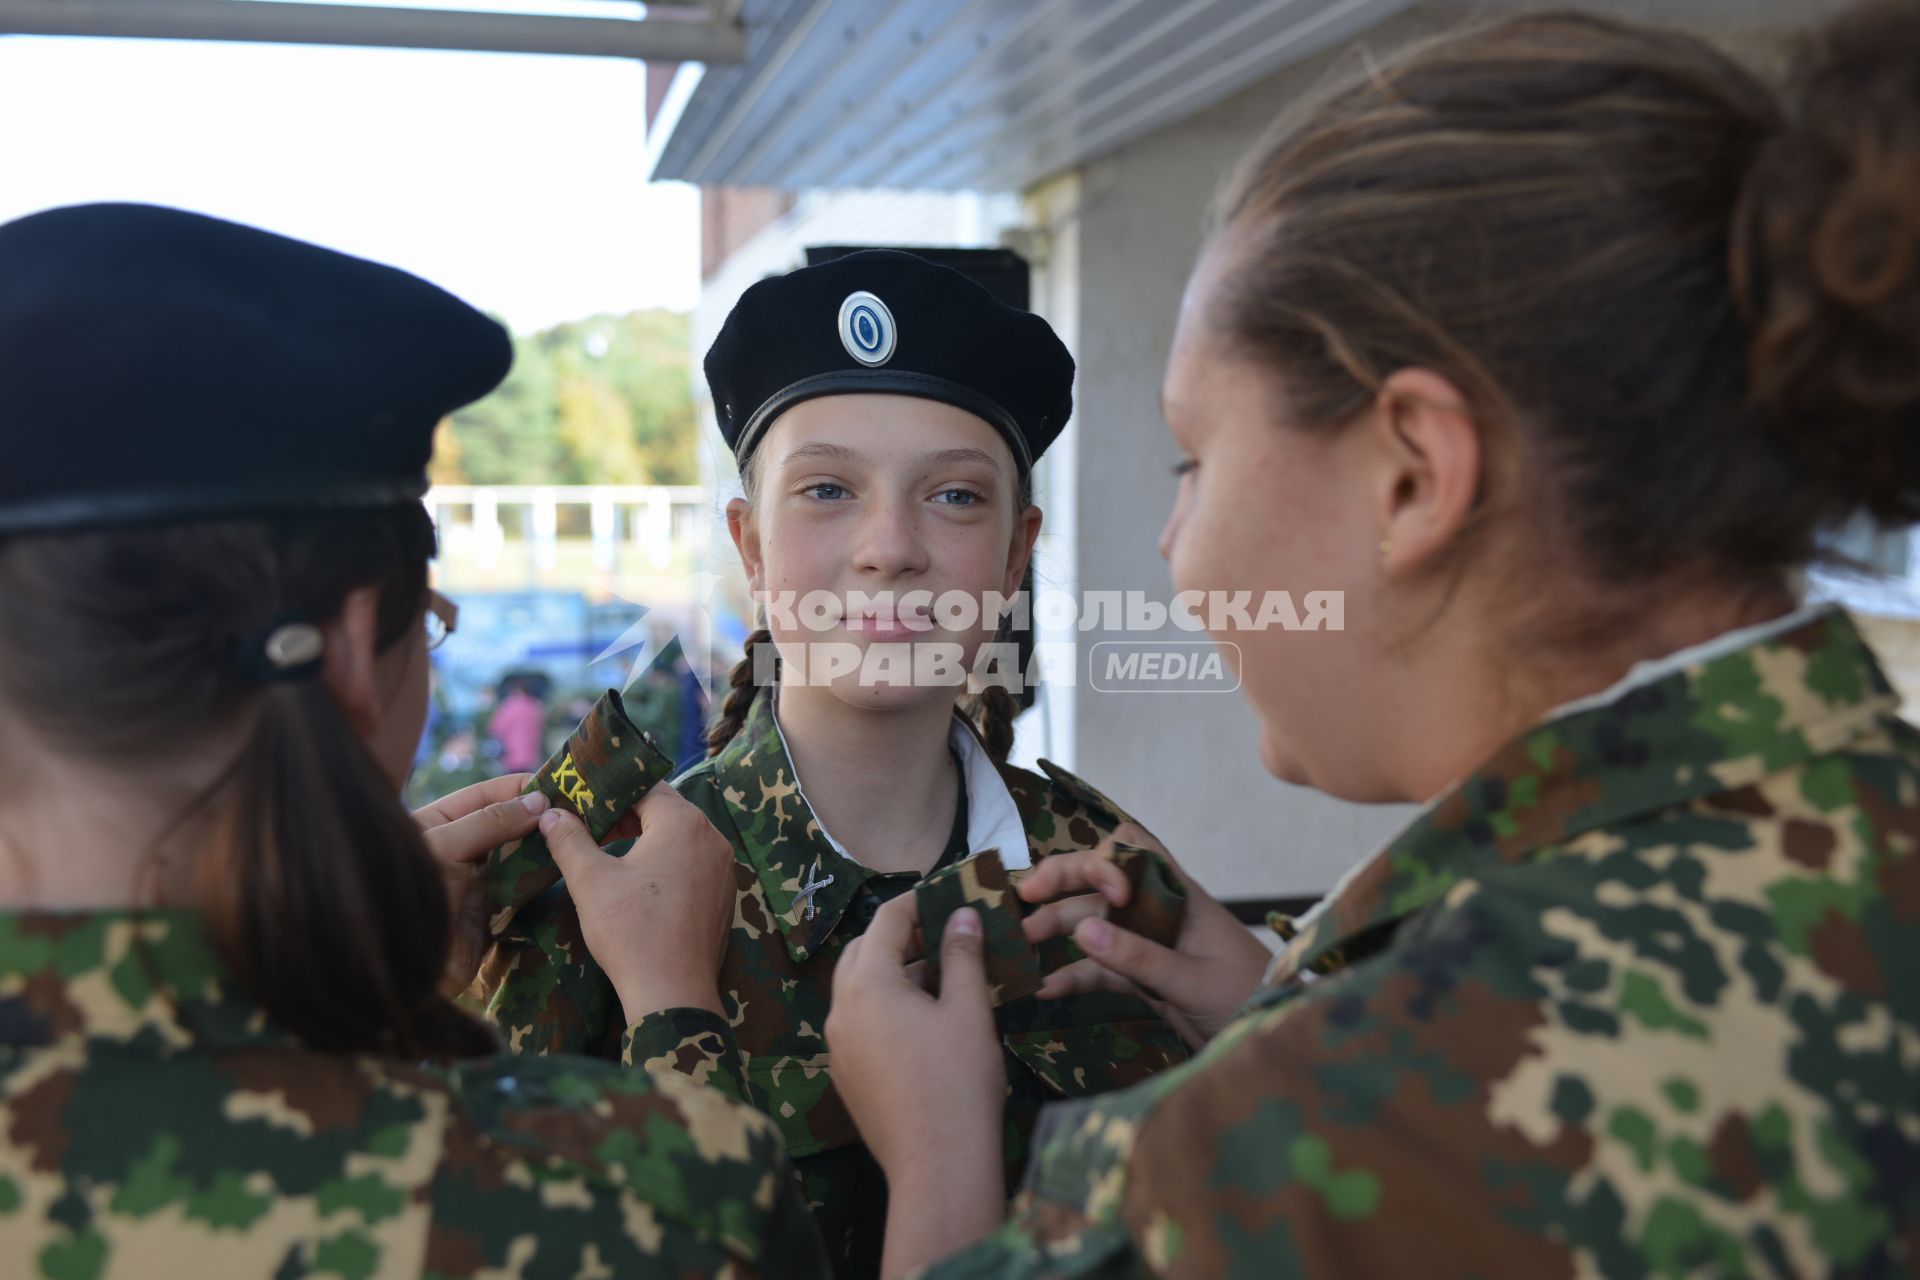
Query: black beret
{"points": [[160, 366], [883, 321]]}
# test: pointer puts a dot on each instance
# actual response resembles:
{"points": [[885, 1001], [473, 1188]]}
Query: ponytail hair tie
{"points": [[288, 648]]}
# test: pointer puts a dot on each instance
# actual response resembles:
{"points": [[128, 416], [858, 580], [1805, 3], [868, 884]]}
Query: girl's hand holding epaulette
{"points": [[923, 1074], [1197, 985], [657, 918], [460, 830]]}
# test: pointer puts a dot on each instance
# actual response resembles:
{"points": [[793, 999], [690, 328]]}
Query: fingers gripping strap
{"points": [[1013, 966], [605, 769], [1158, 903], [1155, 910]]}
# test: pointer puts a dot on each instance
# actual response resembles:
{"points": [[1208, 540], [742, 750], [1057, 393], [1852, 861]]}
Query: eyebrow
{"points": [[947, 457], [821, 449], [841, 453]]}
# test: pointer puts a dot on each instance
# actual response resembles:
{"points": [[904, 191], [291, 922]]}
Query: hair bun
{"points": [[1830, 228]]}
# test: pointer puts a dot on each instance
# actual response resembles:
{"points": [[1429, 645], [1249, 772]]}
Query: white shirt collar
{"points": [[1651, 669], [993, 819]]}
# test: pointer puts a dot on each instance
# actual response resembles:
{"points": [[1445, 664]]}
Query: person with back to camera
{"points": [[225, 1044]]}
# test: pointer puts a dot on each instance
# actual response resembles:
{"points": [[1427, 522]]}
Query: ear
{"points": [[746, 539], [348, 664], [1026, 531], [1427, 455]]}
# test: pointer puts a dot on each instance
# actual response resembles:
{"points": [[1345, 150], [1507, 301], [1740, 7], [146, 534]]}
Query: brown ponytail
{"points": [[1662, 295], [119, 648], [741, 691], [1828, 250]]}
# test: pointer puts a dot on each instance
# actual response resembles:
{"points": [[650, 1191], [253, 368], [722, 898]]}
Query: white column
{"points": [[546, 529], [488, 537], [656, 523], [602, 507]]}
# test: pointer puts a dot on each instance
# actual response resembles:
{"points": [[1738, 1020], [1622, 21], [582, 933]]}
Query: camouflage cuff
{"points": [[605, 769], [1013, 966], [696, 1043], [1158, 904]]}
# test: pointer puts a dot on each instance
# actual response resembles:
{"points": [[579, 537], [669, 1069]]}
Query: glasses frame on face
{"points": [[442, 619]]}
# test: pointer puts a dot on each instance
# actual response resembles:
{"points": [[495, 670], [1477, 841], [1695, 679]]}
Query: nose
{"points": [[1171, 530], [889, 544]]}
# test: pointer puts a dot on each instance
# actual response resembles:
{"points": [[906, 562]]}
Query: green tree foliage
{"points": [[607, 400]]}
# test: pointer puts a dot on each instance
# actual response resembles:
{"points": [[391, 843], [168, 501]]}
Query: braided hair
{"points": [[741, 691]]}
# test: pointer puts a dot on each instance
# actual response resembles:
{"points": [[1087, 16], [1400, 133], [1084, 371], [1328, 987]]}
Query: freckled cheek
{"points": [[796, 557]]}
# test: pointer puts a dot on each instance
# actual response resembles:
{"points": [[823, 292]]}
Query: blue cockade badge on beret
{"points": [[866, 329]]}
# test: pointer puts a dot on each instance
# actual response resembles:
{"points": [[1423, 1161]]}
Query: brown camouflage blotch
{"points": [[333, 1096], [1839, 946], [1735, 1164], [40, 1122], [45, 994], [1746, 800], [1899, 879], [452, 1252], [1810, 844]]}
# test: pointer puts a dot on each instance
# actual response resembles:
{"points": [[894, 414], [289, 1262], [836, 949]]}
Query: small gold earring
{"points": [[1386, 546]]}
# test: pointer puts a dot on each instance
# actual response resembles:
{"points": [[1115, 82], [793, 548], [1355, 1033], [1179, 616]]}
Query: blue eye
{"points": [[967, 497], [831, 491]]}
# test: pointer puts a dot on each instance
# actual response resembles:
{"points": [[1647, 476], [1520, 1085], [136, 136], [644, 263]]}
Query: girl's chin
{"points": [[890, 697], [1282, 762]]}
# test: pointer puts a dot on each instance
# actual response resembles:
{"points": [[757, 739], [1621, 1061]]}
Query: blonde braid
{"points": [[740, 695]]}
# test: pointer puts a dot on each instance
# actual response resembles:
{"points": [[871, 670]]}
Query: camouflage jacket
{"points": [[800, 901], [156, 1124], [1636, 999]]}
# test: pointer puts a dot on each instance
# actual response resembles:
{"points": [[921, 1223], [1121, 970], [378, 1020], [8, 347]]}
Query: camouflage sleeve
{"points": [[541, 987], [605, 769], [693, 1042], [1503, 1092], [980, 882], [577, 1168]]}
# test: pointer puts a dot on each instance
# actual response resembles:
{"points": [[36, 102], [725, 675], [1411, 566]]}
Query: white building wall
{"points": [[1186, 764]]}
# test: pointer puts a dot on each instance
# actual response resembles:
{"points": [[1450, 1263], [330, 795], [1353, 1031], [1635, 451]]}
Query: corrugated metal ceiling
{"points": [[975, 94]]}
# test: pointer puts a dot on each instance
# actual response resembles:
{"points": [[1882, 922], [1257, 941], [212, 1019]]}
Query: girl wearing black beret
{"points": [[886, 413]]}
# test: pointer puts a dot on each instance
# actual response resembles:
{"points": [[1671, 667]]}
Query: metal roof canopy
{"points": [[976, 94], [691, 31]]}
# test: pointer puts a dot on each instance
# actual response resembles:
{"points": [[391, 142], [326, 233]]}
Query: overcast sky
{"points": [[516, 181]]}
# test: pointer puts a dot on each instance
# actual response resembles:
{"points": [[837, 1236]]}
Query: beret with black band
{"points": [[888, 322], [160, 366]]}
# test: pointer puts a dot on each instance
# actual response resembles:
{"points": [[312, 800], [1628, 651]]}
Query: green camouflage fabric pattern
{"points": [[156, 1124], [1636, 999], [1012, 964], [799, 903], [1155, 909], [605, 769], [1157, 904]]}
